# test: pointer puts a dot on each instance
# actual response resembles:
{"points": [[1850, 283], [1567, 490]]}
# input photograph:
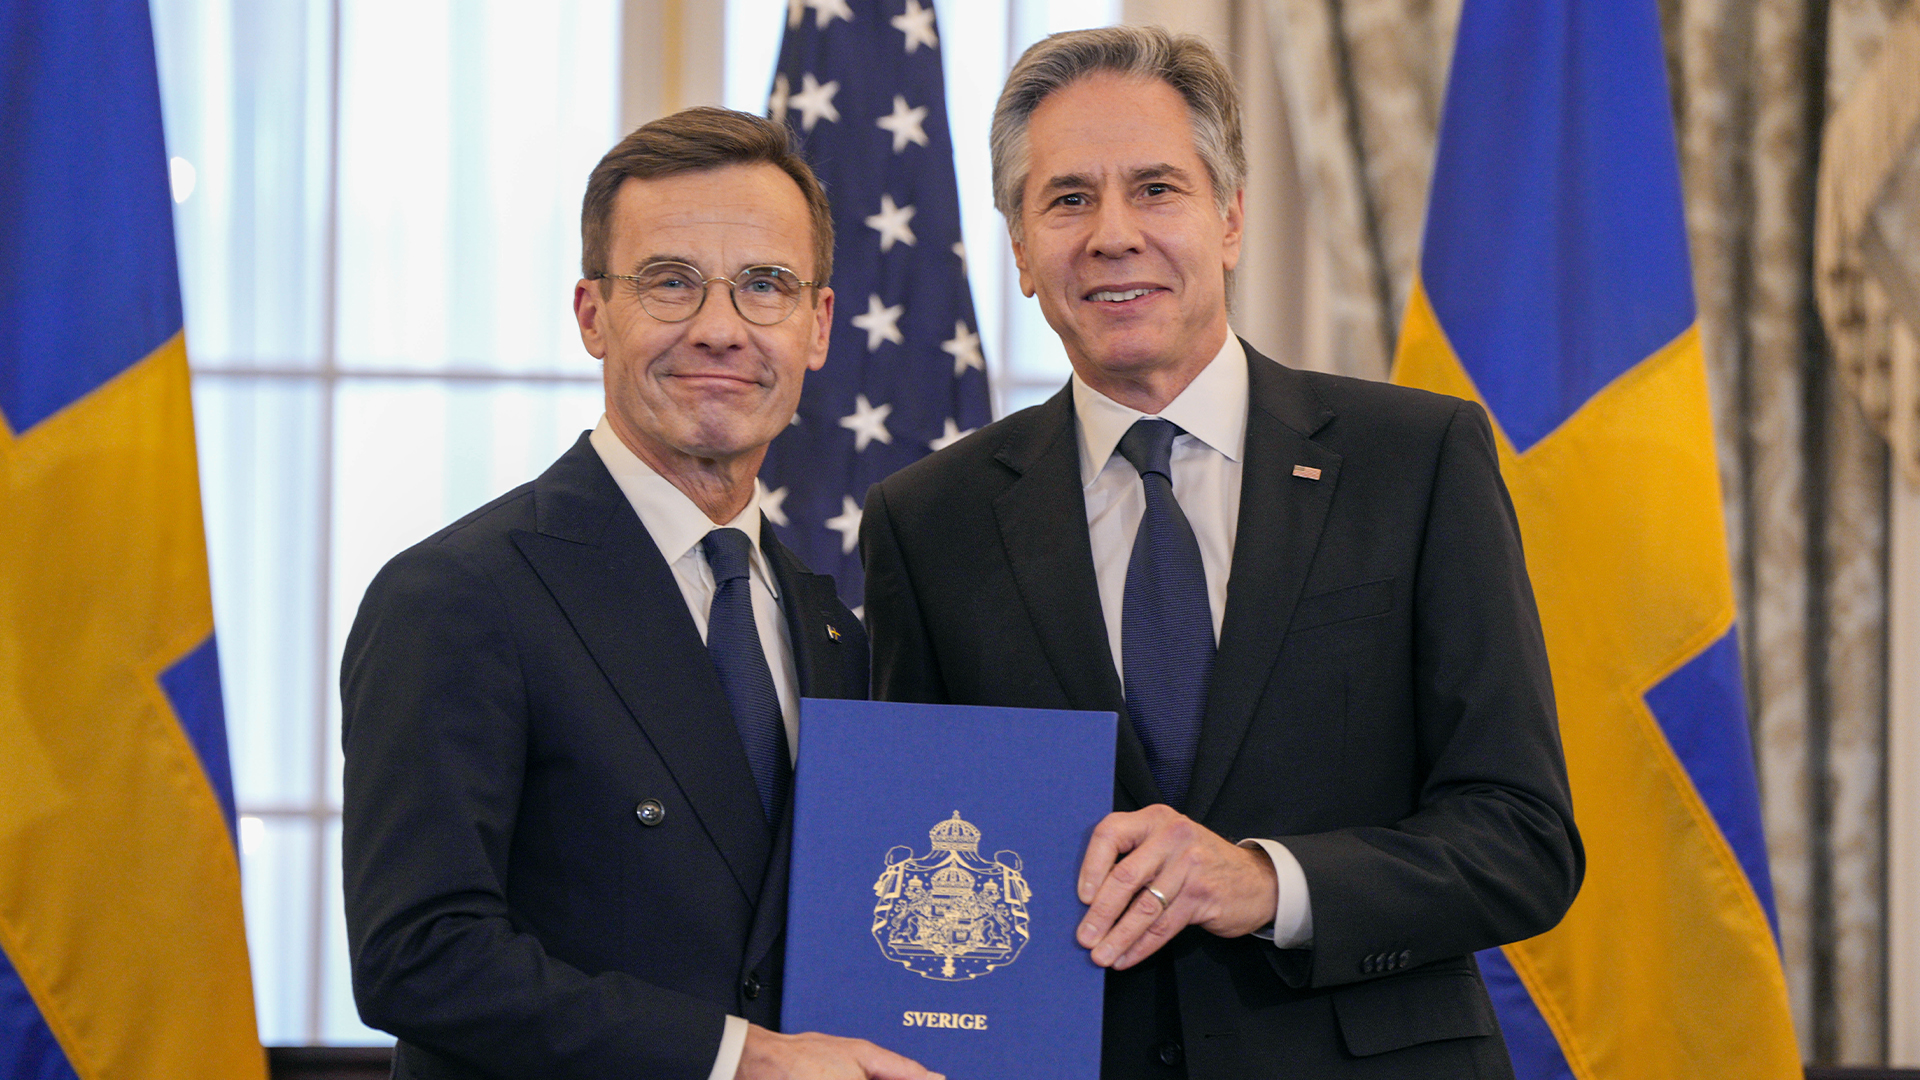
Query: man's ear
{"points": [[822, 328], [1235, 225], [589, 310], [1020, 261]]}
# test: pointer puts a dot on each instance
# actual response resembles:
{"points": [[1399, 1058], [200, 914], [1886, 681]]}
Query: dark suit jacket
{"points": [[513, 689], [1380, 704]]}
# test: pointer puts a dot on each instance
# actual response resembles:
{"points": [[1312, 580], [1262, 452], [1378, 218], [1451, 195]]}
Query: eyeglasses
{"points": [[674, 292]]}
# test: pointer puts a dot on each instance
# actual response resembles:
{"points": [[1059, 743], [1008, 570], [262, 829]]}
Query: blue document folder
{"points": [[933, 902]]}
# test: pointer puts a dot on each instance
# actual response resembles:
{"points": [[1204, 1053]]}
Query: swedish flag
{"points": [[121, 946], [1555, 289]]}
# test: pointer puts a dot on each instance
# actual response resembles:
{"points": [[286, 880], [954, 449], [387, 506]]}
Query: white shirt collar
{"points": [[675, 523], [1213, 409]]}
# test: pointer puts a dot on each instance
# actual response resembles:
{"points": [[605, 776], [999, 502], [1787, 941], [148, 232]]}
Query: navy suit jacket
{"points": [[514, 688], [1380, 703]]}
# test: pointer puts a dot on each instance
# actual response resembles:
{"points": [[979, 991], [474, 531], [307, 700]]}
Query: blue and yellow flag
{"points": [[1555, 289], [121, 946]]}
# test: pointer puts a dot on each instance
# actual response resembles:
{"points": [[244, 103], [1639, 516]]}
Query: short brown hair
{"points": [[1182, 61], [693, 140]]}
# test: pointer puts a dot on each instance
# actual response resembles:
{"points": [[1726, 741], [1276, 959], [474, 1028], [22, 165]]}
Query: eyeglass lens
{"points": [[673, 292]]}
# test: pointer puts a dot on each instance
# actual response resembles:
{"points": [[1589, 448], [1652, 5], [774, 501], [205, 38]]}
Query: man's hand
{"points": [[769, 1055], [1201, 880]]}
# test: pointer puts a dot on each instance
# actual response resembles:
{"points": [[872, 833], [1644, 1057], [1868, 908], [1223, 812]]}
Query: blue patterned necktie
{"points": [[733, 640], [1166, 626]]}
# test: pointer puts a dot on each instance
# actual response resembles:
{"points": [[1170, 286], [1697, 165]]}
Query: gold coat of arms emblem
{"points": [[950, 914]]}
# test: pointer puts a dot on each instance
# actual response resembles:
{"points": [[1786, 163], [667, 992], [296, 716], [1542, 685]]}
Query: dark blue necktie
{"points": [[733, 640], [1166, 627]]}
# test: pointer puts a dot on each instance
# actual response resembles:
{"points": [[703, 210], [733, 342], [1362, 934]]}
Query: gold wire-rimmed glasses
{"points": [[674, 292]]}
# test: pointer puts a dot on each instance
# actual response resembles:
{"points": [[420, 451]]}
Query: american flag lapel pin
{"points": [[1306, 471]]}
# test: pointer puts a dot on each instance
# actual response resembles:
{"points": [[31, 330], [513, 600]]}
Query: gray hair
{"points": [[1182, 61]]}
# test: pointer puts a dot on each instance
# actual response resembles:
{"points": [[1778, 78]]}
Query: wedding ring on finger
{"points": [[1160, 896]]}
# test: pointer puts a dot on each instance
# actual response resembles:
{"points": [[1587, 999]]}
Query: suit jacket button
{"points": [[750, 986], [650, 812], [1169, 1053], [1406, 957], [1366, 966]]}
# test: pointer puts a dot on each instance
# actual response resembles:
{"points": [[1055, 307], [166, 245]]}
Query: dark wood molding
{"points": [[330, 1062], [376, 1063]]}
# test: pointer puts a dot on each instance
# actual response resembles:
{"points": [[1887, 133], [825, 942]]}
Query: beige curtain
{"points": [[1867, 232], [1805, 473]]}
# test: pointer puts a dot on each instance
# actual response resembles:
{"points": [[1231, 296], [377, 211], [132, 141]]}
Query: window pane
{"points": [[260, 456], [753, 29], [339, 1018], [973, 55], [466, 136], [245, 89], [276, 885]]}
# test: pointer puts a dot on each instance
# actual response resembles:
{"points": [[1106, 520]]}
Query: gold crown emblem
{"points": [[954, 835]]}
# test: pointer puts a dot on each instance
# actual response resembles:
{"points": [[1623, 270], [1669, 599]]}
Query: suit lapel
{"points": [[1043, 524], [816, 622], [1280, 522], [616, 590]]}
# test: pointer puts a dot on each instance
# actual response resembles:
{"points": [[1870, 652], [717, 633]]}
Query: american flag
{"points": [[859, 82]]}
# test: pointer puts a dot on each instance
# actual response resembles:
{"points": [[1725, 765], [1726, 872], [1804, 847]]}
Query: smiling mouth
{"points": [[1119, 296]]}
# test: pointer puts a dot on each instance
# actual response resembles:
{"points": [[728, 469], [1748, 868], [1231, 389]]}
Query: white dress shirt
{"points": [[1207, 465], [677, 527]]}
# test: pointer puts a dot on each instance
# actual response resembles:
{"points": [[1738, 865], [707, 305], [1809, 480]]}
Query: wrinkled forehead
{"points": [[717, 220]]}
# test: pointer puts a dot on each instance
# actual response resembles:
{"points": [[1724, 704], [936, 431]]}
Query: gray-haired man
{"points": [[1304, 594]]}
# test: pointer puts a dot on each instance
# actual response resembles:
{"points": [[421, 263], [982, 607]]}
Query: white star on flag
{"points": [[825, 11], [868, 423], [917, 24], [888, 90], [964, 347], [770, 504], [847, 525], [892, 224], [777, 102], [951, 435], [905, 124], [882, 323], [815, 101]]}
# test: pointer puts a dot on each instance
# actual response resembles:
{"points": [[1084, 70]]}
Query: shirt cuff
{"points": [[1293, 910], [733, 1042]]}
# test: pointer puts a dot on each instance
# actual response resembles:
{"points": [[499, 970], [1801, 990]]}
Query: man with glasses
{"points": [[569, 717]]}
